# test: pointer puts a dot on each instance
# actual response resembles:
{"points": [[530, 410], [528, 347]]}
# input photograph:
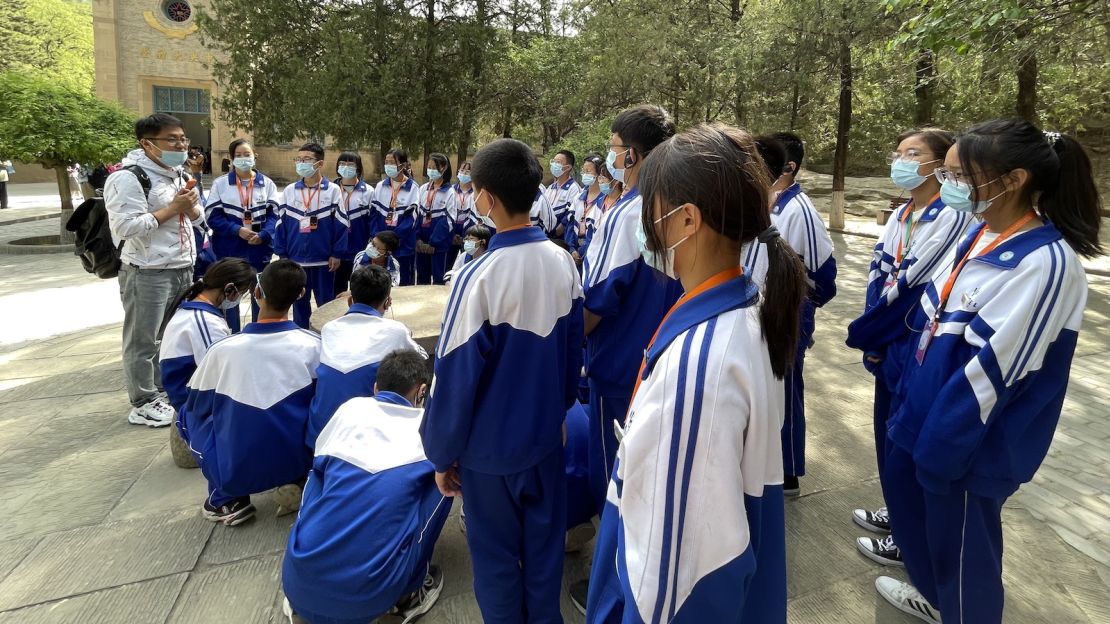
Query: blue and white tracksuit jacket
{"points": [[226, 216], [297, 237]]}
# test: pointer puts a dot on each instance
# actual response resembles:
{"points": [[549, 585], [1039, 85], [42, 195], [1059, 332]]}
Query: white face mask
{"points": [[662, 262], [484, 218], [230, 301]]}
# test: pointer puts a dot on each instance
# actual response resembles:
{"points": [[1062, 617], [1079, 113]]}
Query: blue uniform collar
{"points": [[360, 184], [362, 308], [790, 193], [459, 188], [519, 236], [258, 177], [739, 292], [392, 398], [404, 187], [270, 328], [564, 186], [324, 183], [932, 211], [443, 188], [1011, 252], [203, 306], [632, 193]]}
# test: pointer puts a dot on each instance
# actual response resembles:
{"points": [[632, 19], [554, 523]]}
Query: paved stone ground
{"points": [[98, 525]]}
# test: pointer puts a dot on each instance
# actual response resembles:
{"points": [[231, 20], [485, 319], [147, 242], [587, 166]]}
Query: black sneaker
{"points": [[579, 592], [883, 551], [423, 599], [790, 486], [877, 521], [234, 513]]}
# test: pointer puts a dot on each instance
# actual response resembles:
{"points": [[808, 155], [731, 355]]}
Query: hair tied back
{"points": [[1053, 138], [768, 235]]}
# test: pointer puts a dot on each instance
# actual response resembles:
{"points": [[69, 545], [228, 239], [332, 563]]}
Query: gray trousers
{"points": [[146, 295]]}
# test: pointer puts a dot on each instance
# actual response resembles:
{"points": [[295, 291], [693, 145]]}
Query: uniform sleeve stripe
{"points": [[691, 447], [1055, 284], [665, 567], [201, 329], [941, 252], [456, 298], [607, 238]]}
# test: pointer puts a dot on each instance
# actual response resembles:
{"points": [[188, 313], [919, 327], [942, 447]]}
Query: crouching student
{"points": [[508, 344], [197, 322], [981, 394], [699, 455], [475, 244], [362, 544], [249, 400], [379, 252], [354, 346]]}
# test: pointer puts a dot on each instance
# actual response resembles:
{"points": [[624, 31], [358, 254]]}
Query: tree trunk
{"points": [[66, 195], [924, 88], [796, 92], [1027, 86], [843, 127]]}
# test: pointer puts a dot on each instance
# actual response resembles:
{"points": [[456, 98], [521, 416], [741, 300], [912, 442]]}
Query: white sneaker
{"points": [[156, 413], [906, 599]]}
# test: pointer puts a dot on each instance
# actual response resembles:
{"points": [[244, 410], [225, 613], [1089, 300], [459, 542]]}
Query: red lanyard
{"points": [[946, 292], [307, 197], [713, 282]]}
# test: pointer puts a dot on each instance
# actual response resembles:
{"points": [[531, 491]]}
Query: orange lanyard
{"points": [[347, 196], [393, 198], [907, 234], [307, 197], [608, 203], [244, 194], [713, 282], [431, 196], [946, 292]]}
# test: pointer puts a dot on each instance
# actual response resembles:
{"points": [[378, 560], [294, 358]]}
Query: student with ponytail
{"points": [[917, 239], [700, 452], [195, 322], [982, 391]]}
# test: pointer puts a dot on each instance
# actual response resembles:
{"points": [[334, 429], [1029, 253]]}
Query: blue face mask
{"points": [[556, 169], [306, 170], [904, 174], [469, 247], [391, 171], [610, 162], [606, 188], [464, 178], [244, 163], [348, 172], [433, 174], [173, 160], [957, 196], [588, 180]]}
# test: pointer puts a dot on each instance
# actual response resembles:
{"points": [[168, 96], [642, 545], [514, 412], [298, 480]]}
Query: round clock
{"points": [[178, 10]]}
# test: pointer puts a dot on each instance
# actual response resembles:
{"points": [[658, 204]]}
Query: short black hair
{"points": [[350, 157], [508, 169], [149, 126], [316, 149], [370, 285], [282, 283], [643, 127], [773, 153], [795, 147], [480, 232], [570, 156], [402, 372], [390, 239]]}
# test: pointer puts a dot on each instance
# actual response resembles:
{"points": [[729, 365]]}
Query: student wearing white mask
{"points": [[395, 204], [242, 210], [466, 217], [475, 244], [438, 212], [355, 206], [562, 191], [585, 209]]}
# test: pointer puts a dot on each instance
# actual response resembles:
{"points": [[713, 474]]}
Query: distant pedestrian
{"points": [[6, 169]]}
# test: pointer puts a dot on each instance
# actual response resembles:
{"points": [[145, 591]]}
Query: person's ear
{"points": [[375, 387], [302, 293], [1016, 179], [691, 219], [350, 300], [257, 293]]}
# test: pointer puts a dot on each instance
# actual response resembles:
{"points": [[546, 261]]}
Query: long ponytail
{"points": [[1073, 205], [784, 291], [220, 273]]}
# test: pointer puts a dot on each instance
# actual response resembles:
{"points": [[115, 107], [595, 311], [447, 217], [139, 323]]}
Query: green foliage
{"points": [[51, 37], [54, 124]]}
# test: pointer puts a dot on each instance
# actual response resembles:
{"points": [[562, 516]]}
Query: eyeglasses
{"points": [[261, 290], [910, 154], [946, 175], [176, 141], [310, 161]]}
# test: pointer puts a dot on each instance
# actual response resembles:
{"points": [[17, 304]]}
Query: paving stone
{"points": [[13, 552], [104, 380], [108, 555], [162, 487], [241, 592], [148, 602]]}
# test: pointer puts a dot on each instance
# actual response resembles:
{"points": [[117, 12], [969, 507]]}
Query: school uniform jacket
{"points": [[894, 290], [403, 214], [467, 213], [802, 228], [542, 215], [362, 260], [579, 215], [560, 197], [698, 477], [354, 204], [226, 215], [630, 296], [508, 359], [356, 543], [295, 239], [437, 215], [980, 410], [248, 407], [194, 327], [354, 345]]}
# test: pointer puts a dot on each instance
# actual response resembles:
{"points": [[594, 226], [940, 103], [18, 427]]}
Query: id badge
{"points": [[927, 333], [313, 222], [306, 225], [248, 218]]}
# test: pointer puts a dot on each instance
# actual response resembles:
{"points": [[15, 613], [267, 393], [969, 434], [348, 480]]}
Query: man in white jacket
{"points": [[158, 252]]}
